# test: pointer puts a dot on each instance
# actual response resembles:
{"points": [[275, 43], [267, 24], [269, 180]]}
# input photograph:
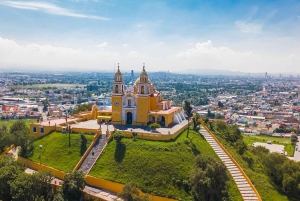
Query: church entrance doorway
{"points": [[129, 118]]}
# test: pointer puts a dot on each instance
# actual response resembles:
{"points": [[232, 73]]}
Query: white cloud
{"points": [[133, 54], [48, 57], [251, 28], [104, 44], [48, 8], [206, 56], [125, 45]]}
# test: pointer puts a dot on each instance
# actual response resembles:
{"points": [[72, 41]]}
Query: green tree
{"points": [[196, 122], [209, 179], [188, 112], [73, 184], [131, 193], [29, 187], [294, 139], [220, 104], [6, 139], [9, 171], [154, 126], [118, 136], [22, 136]]}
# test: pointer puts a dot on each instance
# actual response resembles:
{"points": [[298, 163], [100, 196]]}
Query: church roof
{"points": [[138, 81], [118, 71], [144, 71]]}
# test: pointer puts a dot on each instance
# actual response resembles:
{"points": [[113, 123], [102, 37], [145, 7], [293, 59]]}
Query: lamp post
{"points": [[69, 135], [41, 147]]}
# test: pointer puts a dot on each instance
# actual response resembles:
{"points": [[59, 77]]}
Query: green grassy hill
{"points": [[56, 152], [159, 168]]}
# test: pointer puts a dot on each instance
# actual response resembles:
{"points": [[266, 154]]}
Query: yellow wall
{"points": [[149, 136], [36, 166], [7, 150], [116, 110], [142, 110], [117, 187], [153, 102], [38, 134]]}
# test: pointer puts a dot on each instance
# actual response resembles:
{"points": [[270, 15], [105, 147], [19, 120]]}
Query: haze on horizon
{"points": [[247, 36]]}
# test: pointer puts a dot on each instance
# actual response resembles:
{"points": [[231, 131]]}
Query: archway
{"points": [[129, 118], [161, 120], [151, 119]]}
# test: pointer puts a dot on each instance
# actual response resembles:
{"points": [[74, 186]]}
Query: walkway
{"points": [[241, 182], [93, 155], [97, 192]]}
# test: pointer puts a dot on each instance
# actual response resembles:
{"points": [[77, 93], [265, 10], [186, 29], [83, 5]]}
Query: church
{"points": [[142, 105]]}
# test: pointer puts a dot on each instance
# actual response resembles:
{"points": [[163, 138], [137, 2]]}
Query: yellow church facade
{"points": [[143, 105]]}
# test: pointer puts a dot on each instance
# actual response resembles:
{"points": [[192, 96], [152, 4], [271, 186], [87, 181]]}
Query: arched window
{"points": [[117, 89], [129, 103], [142, 89]]}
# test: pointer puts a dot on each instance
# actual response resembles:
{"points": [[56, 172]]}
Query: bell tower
{"points": [[116, 98], [143, 100]]}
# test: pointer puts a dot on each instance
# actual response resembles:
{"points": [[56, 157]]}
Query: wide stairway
{"points": [[93, 155], [240, 180]]}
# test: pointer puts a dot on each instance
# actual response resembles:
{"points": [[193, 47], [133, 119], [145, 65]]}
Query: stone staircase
{"points": [[93, 155], [244, 187]]}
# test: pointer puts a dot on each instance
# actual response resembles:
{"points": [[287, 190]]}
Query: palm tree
{"points": [[188, 112]]}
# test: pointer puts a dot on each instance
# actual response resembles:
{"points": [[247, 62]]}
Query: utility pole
{"points": [[69, 135]]}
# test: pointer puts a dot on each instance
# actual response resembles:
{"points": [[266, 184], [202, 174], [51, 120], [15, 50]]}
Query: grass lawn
{"points": [[156, 167], [250, 139], [9, 123], [37, 86], [56, 152], [264, 185]]}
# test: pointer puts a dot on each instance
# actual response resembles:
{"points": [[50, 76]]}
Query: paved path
{"points": [[94, 154], [242, 184], [97, 192]]}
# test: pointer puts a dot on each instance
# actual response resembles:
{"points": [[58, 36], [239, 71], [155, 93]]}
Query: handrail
{"points": [[233, 160]]}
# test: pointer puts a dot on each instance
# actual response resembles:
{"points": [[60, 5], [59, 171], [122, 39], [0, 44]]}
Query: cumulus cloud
{"points": [[48, 8], [48, 57], [205, 55], [104, 44]]}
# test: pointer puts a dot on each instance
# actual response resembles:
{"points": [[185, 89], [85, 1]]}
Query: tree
{"points": [[154, 126], [131, 193], [196, 122], [6, 139], [294, 139], [9, 171], [73, 184], [220, 104], [209, 179], [29, 187], [188, 112], [134, 134], [21, 136], [118, 136]]}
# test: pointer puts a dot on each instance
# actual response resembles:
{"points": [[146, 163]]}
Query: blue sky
{"points": [[250, 36]]}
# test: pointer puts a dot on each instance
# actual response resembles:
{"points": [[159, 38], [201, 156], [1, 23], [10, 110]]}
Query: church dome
{"points": [[138, 81], [118, 71]]}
